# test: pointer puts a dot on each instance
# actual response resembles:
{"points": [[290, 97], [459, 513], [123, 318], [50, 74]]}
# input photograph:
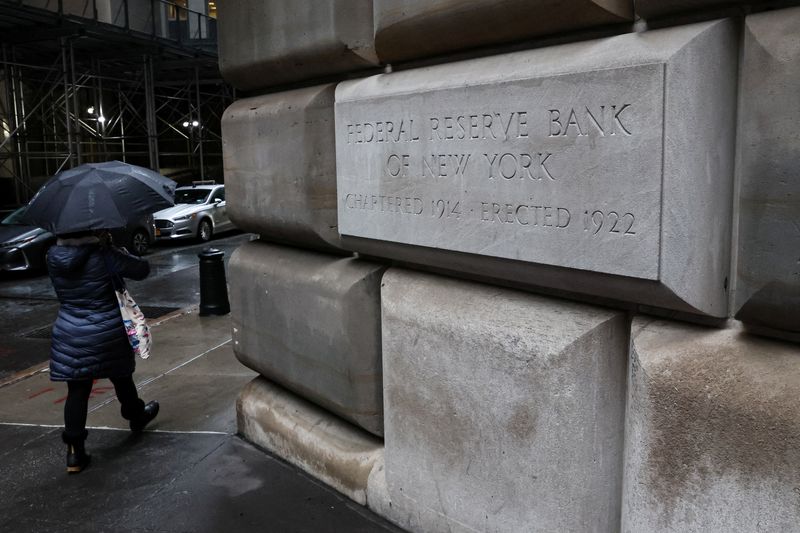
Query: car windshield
{"points": [[14, 219], [191, 196]]}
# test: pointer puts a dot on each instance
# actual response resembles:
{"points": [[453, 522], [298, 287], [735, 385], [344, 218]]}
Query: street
{"points": [[188, 471]]}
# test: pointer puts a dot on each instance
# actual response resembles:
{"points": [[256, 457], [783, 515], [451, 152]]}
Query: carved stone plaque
{"points": [[607, 158], [564, 170]]}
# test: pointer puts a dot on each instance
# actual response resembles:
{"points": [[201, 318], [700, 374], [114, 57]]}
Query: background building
{"points": [[95, 80]]}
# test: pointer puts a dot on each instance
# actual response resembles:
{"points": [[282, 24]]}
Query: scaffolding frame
{"points": [[69, 98]]}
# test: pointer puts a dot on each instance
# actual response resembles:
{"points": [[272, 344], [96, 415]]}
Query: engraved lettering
{"points": [[491, 164], [369, 138], [484, 211], [616, 221], [473, 127], [548, 214], [462, 132], [544, 169], [507, 124], [581, 124], [573, 121], [618, 120], [594, 121], [509, 169], [510, 166], [435, 128], [426, 165], [487, 123], [566, 220], [555, 116], [460, 162], [525, 161], [523, 125], [628, 230], [397, 165], [448, 128], [413, 137]]}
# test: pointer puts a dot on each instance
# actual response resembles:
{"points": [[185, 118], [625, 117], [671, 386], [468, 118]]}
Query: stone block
{"points": [[279, 156], [601, 167], [768, 277], [271, 42], [311, 322], [712, 431], [420, 28], [504, 410], [329, 449]]}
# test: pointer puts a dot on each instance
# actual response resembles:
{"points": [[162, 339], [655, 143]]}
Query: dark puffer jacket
{"points": [[89, 340]]}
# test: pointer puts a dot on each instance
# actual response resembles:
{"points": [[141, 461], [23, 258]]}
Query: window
{"points": [[191, 196], [219, 193], [176, 9]]}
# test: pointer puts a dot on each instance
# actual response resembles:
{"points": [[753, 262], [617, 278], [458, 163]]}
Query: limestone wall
{"points": [[523, 266]]}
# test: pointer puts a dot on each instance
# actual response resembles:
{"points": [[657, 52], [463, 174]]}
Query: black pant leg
{"points": [[75, 409], [131, 406]]}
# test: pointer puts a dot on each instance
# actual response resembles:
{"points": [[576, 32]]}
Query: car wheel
{"points": [[204, 231], [140, 242]]}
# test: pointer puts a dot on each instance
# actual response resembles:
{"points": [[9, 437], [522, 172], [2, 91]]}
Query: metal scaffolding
{"points": [[78, 89]]}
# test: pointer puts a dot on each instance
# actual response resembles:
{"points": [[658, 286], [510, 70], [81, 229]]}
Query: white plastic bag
{"points": [[135, 324]]}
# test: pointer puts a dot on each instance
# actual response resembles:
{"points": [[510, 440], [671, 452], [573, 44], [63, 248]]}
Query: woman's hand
{"points": [[105, 238]]}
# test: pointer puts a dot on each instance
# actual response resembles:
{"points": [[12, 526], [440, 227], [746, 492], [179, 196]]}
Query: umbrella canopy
{"points": [[98, 196]]}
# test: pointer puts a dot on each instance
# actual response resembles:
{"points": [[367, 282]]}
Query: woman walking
{"points": [[89, 339]]}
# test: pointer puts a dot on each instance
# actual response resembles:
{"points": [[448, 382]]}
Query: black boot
{"points": [[77, 458], [148, 414]]}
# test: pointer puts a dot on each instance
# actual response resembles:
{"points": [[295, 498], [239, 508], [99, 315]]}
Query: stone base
{"points": [[712, 431], [311, 323], [328, 448], [503, 411]]}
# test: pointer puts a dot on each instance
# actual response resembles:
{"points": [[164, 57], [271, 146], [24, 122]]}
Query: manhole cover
{"points": [[151, 312]]}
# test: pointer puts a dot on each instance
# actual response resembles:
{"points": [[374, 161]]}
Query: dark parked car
{"points": [[24, 247]]}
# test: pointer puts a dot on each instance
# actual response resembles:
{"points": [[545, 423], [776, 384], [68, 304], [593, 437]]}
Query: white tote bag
{"points": [[132, 317], [135, 324]]}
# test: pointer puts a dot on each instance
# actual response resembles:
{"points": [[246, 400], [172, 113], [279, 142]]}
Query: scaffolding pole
{"points": [[12, 122], [76, 125], [67, 118], [150, 104], [200, 124]]}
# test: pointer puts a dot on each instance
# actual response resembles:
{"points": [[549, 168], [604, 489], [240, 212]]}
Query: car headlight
{"points": [[19, 242], [186, 217]]}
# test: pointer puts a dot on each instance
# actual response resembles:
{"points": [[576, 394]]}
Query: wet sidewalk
{"points": [[187, 473]]}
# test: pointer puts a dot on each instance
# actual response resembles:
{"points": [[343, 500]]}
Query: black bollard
{"points": [[213, 285]]}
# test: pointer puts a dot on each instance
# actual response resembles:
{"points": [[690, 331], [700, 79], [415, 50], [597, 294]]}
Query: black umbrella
{"points": [[98, 196]]}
